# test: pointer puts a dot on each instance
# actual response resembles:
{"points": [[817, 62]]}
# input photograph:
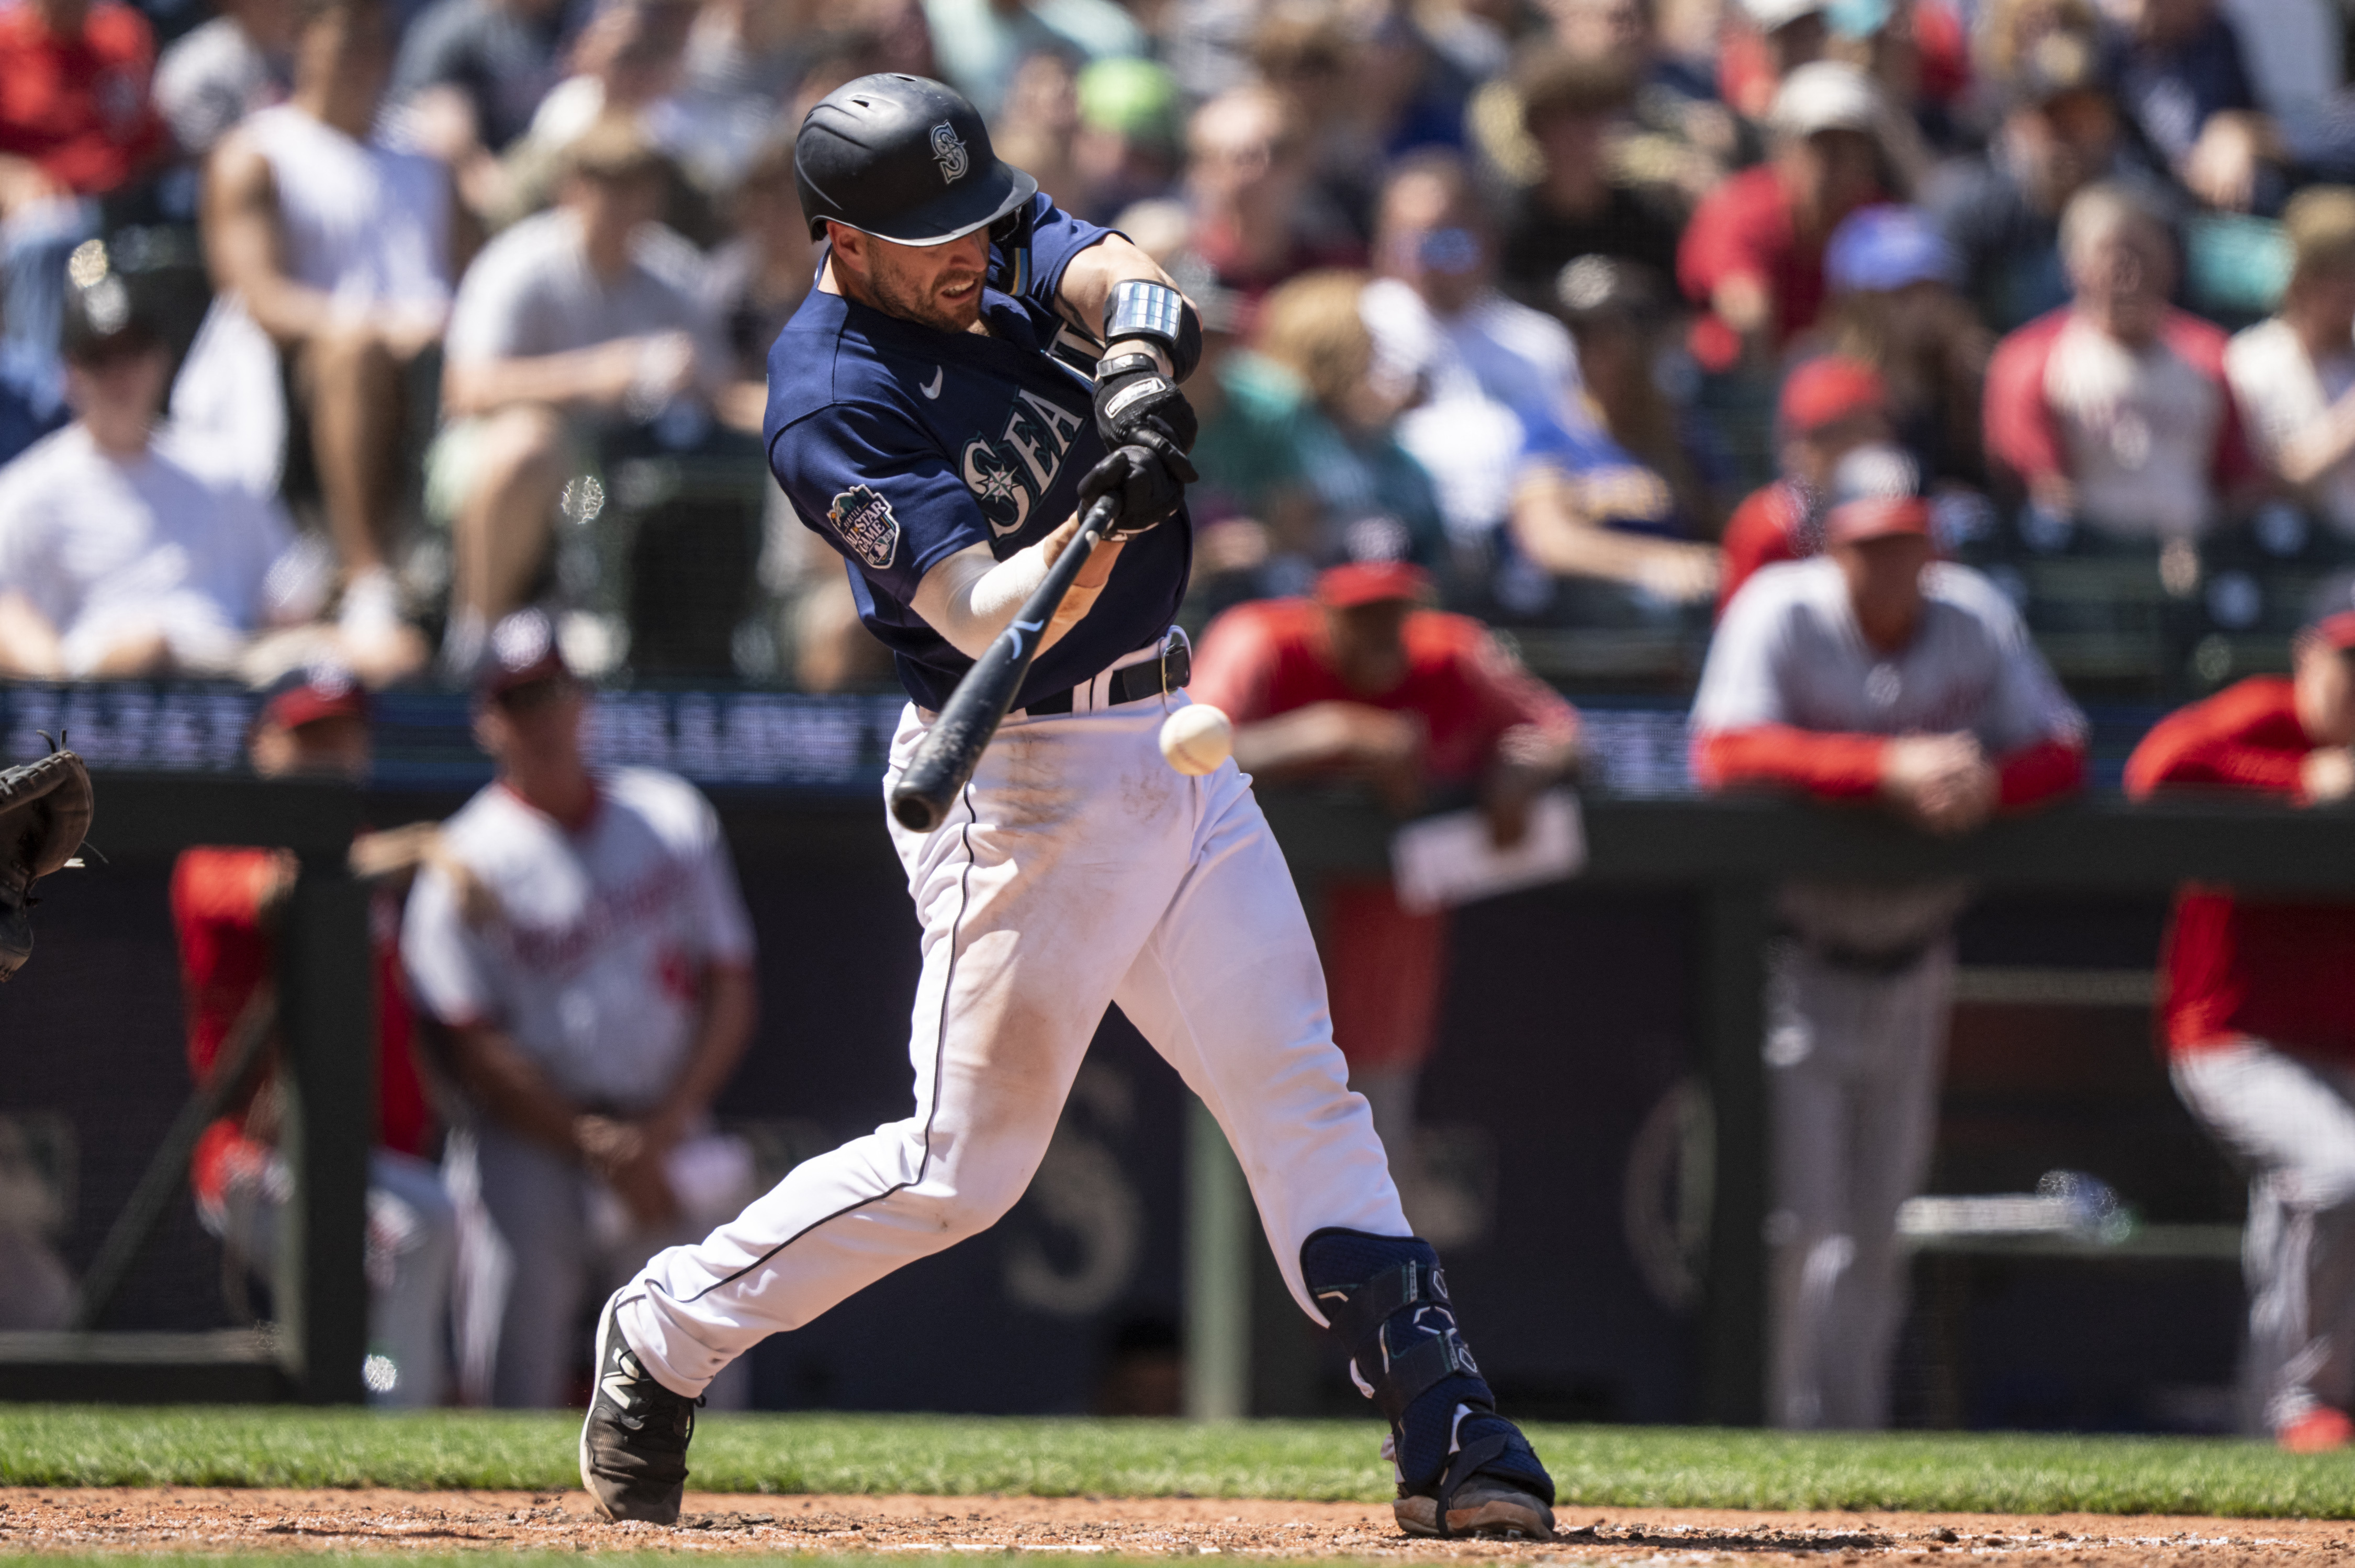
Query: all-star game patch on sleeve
{"points": [[879, 492]]}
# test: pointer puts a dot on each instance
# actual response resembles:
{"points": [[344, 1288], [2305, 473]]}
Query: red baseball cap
{"points": [[1876, 492], [1828, 388], [521, 649], [306, 696], [1371, 582], [2335, 630]]}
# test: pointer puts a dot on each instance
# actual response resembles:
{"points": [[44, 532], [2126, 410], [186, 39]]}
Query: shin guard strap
{"points": [[1467, 1462]]}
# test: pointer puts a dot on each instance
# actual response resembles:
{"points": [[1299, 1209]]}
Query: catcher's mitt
{"points": [[45, 812]]}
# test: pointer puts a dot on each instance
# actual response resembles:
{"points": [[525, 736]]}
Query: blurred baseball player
{"points": [[921, 423], [1827, 408], [2260, 1029], [1869, 673], [579, 938], [1363, 682], [226, 902]]}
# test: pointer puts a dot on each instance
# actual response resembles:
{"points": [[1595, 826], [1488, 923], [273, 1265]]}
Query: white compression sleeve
{"points": [[969, 597]]}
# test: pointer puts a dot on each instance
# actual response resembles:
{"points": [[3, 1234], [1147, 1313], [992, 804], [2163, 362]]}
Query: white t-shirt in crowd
{"points": [[2281, 392], [531, 292], [2139, 429], [360, 222], [1490, 374], [108, 549], [594, 964]]}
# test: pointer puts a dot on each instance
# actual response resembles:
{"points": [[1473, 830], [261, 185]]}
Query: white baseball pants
{"points": [[1076, 870], [2290, 1124], [1852, 1071]]}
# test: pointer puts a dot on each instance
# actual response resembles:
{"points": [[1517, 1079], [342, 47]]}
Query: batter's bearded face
{"points": [[938, 285]]}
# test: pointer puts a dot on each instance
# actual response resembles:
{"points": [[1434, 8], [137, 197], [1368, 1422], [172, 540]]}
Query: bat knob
{"points": [[914, 812]]}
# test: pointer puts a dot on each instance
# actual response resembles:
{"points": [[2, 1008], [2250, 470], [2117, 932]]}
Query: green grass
{"points": [[1598, 1465]]}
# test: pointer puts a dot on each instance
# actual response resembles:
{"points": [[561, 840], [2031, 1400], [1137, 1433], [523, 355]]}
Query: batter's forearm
{"points": [[1088, 282], [972, 596]]}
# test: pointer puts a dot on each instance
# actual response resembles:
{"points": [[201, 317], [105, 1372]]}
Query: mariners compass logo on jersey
{"points": [[951, 152], [864, 520]]}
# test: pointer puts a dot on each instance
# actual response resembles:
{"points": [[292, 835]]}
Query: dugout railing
{"points": [[1729, 853], [315, 1349]]}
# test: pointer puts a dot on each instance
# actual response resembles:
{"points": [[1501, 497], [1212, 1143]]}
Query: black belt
{"points": [[1886, 963], [1131, 683]]}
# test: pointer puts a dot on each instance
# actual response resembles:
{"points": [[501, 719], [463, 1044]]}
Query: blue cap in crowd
{"points": [[1887, 247]]}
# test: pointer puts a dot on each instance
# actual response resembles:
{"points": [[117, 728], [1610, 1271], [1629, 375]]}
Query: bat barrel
{"points": [[951, 749]]}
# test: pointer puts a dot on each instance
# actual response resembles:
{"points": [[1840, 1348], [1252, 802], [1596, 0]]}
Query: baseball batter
{"points": [[1870, 672], [922, 423]]}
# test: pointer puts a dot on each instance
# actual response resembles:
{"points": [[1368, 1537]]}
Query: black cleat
{"points": [[1469, 1498], [634, 1443], [1487, 1506]]}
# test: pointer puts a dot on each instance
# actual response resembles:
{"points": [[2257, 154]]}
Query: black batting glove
{"points": [[1133, 395], [1149, 475]]}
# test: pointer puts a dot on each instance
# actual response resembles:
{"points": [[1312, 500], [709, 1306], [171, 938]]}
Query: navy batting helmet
{"points": [[905, 159]]}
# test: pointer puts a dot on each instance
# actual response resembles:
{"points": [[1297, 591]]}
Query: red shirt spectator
{"points": [[1829, 407], [1755, 251], [74, 91], [1361, 681], [2238, 968]]}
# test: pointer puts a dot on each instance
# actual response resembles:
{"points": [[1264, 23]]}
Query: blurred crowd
{"points": [[457, 306]]}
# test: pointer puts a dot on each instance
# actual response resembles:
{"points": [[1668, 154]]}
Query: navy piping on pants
{"points": [[939, 1047]]}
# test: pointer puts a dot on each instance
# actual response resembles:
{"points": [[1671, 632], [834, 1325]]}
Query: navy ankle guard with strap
{"points": [[1387, 1301]]}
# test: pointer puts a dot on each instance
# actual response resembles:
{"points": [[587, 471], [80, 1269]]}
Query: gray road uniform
{"points": [[1860, 975]]}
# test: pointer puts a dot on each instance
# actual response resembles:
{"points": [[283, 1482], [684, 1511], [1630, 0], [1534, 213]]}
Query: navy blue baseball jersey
{"points": [[901, 444]]}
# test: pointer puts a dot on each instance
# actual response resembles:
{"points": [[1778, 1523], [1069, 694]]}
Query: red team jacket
{"points": [[224, 955], [2240, 967], [1385, 965], [1261, 659]]}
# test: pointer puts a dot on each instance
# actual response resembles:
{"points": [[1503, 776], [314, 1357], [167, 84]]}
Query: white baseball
{"points": [[1197, 738]]}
